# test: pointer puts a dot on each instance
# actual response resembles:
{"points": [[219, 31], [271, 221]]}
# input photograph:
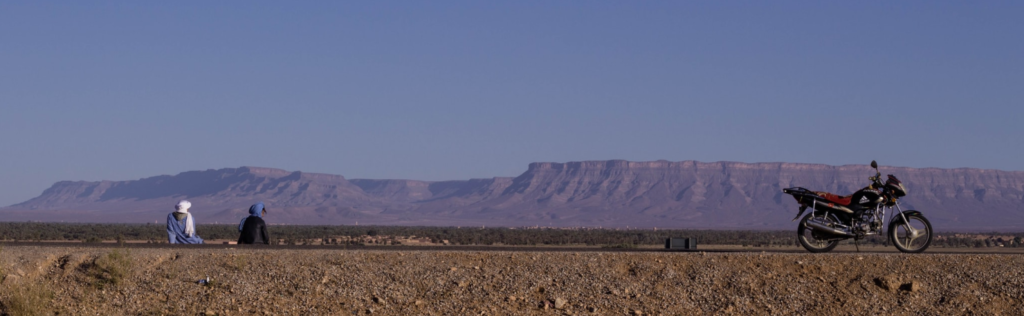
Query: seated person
{"points": [[181, 229], [253, 229]]}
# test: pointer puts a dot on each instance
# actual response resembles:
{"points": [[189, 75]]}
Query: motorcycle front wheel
{"points": [[815, 241], [912, 237]]}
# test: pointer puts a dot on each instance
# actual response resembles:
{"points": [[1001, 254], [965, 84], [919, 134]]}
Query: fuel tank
{"points": [[866, 198]]}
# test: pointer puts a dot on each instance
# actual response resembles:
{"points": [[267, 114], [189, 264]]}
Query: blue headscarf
{"points": [[254, 210]]}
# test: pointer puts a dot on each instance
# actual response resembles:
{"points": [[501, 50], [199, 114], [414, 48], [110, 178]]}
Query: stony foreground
{"points": [[245, 281]]}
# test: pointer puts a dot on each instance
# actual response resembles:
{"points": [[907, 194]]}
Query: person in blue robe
{"points": [[181, 228]]}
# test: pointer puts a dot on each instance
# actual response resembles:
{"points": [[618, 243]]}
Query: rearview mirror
{"points": [[874, 164]]}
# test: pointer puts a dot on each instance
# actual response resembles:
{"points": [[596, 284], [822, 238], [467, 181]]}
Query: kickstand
{"points": [[856, 243]]}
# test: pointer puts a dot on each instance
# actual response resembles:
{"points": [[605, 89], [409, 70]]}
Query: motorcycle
{"points": [[834, 218]]}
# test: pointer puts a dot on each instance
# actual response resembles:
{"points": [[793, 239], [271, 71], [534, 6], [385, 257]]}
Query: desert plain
{"points": [[67, 280]]}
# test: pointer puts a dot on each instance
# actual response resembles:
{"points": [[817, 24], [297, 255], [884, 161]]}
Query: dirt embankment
{"points": [[245, 281]]}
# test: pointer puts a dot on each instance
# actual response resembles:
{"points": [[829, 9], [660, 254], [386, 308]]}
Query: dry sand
{"points": [[246, 281]]}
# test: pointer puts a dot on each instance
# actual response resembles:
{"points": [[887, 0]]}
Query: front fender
{"points": [[899, 219]]}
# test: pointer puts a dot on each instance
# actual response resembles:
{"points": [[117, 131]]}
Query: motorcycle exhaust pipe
{"points": [[825, 229]]}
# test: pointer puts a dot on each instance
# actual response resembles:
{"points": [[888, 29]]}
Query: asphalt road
{"points": [[891, 250]]}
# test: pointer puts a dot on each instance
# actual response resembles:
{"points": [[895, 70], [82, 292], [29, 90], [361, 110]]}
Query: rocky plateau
{"points": [[616, 193]]}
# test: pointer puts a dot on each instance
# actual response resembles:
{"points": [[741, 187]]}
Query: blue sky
{"points": [[456, 90]]}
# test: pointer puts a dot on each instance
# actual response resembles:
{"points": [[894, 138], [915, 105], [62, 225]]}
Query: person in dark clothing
{"points": [[253, 229]]}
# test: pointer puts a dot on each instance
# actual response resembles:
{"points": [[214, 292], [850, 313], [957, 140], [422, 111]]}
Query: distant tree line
{"points": [[981, 240], [298, 234], [304, 234]]}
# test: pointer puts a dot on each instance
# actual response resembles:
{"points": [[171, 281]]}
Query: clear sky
{"points": [[437, 90]]}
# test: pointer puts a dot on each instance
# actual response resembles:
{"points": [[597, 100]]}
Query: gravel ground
{"points": [[246, 281]]}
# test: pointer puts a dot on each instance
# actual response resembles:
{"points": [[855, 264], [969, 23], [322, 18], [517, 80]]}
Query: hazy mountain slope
{"points": [[729, 194], [591, 193], [217, 195]]}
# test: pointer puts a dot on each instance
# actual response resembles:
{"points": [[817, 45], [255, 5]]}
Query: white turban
{"points": [[182, 207]]}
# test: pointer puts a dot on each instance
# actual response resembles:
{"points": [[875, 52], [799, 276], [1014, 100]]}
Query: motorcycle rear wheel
{"points": [[813, 241], [905, 241]]}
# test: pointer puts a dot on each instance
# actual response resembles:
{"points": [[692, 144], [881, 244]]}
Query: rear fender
{"points": [[802, 209]]}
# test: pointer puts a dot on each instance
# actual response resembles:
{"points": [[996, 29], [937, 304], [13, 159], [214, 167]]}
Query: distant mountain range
{"points": [[616, 193]]}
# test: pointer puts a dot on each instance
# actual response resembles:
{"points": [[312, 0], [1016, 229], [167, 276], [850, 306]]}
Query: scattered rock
{"points": [[559, 303], [383, 283], [889, 283], [916, 286], [545, 304], [10, 279]]}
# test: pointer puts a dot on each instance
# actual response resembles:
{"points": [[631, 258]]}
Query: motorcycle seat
{"points": [[841, 200]]}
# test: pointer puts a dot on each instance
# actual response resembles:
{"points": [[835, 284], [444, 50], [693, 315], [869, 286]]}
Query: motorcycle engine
{"points": [[865, 226]]}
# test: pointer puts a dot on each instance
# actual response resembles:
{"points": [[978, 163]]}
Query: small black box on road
{"points": [[681, 243]]}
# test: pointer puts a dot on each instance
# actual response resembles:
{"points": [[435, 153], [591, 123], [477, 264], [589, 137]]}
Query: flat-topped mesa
{"points": [[817, 172], [686, 164], [244, 183], [602, 164], [826, 177], [260, 171], [273, 173], [580, 193]]}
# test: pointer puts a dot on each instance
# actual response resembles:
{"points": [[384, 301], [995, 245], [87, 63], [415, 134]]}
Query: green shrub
{"points": [[27, 299], [238, 262], [112, 268]]}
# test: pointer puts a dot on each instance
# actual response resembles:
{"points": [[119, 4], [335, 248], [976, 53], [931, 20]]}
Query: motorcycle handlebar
{"points": [[876, 178]]}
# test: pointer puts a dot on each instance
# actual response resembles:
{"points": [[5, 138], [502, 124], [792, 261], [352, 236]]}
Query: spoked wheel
{"points": [[815, 241], [912, 237]]}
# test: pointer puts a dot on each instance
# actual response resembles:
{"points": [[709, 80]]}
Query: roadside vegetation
{"points": [[25, 299], [110, 269]]}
